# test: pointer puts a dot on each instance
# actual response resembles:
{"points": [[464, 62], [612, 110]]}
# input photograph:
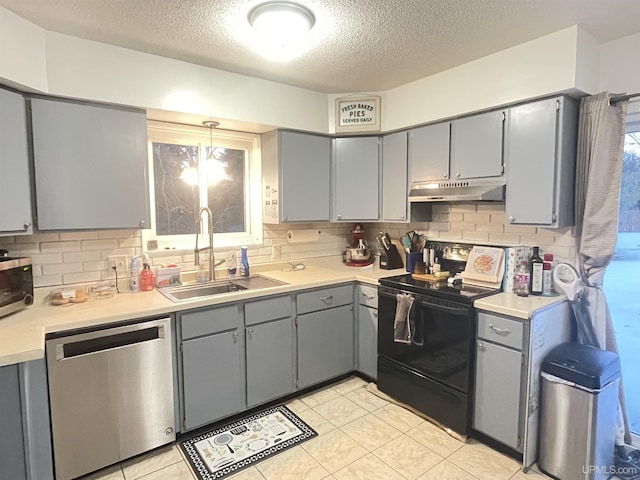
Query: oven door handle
{"points": [[445, 308]]}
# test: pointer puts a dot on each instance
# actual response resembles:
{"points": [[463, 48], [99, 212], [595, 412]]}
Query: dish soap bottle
{"points": [[134, 267], [146, 278], [244, 262]]}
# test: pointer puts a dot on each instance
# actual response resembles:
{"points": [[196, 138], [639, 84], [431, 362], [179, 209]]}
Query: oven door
{"points": [[448, 329]]}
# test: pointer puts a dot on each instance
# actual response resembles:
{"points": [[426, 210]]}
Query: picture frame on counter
{"points": [[358, 114]]}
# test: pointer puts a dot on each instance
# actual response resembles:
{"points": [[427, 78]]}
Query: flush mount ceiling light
{"points": [[281, 19]]}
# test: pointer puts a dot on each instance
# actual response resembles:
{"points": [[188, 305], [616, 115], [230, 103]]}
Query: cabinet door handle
{"points": [[402, 217], [328, 300], [500, 331], [27, 225], [235, 337], [511, 219], [375, 313], [339, 216], [458, 175], [141, 223], [480, 346], [368, 297], [445, 175], [250, 332]]}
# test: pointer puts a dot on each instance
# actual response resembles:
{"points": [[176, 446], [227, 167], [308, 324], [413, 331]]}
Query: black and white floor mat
{"points": [[238, 445]]}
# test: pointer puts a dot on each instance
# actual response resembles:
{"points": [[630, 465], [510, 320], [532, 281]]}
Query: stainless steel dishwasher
{"points": [[111, 395]]}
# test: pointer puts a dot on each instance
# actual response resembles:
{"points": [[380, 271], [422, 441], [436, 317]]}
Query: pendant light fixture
{"points": [[214, 168], [281, 20]]}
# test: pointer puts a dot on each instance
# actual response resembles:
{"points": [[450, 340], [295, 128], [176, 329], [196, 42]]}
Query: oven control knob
{"points": [[28, 299]]}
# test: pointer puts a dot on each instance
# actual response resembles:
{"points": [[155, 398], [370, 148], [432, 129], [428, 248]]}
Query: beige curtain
{"points": [[599, 166]]}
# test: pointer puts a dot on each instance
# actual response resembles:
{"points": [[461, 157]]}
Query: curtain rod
{"points": [[623, 98]]}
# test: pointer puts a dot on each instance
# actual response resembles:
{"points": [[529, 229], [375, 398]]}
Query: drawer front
{"points": [[500, 330], [268, 309], [368, 295], [324, 298], [212, 320]]}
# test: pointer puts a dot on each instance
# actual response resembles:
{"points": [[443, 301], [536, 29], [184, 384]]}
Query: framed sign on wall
{"points": [[358, 114]]}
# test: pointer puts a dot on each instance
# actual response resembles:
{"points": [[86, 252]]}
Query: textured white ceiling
{"points": [[355, 46]]}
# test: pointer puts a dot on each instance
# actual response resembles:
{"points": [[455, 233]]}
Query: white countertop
{"points": [[22, 334], [515, 306]]}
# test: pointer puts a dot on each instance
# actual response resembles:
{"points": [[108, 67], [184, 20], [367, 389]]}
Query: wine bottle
{"points": [[536, 269]]}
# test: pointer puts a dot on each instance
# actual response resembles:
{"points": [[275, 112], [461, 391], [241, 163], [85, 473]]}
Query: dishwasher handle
{"points": [[109, 340]]}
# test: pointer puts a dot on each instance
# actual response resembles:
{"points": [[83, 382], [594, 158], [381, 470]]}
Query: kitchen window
{"points": [[191, 167]]}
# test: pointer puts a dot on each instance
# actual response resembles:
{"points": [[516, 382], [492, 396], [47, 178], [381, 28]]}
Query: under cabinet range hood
{"points": [[485, 190]]}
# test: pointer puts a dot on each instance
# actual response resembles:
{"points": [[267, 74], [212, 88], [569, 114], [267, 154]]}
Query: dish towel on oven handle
{"points": [[416, 323], [401, 324]]}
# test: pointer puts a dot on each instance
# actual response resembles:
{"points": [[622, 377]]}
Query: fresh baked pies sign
{"points": [[358, 114]]}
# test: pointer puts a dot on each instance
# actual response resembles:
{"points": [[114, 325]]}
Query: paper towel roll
{"points": [[303, 236]]}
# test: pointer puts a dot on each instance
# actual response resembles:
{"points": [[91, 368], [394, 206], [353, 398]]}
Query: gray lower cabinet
{"points": [[91, 165], [368, 340], [25, 432], [497, 394], [509, 355], [213, 379], [355, 178], [12, 458], [15, 186], [540, 158], [325, 344], [394, 177], [269, 360]]}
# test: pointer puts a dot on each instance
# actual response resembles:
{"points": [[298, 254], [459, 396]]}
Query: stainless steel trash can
{"points": [[578, 409]]}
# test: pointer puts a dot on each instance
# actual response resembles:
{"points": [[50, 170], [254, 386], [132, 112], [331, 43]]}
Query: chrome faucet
{"points": [[196, 251]]}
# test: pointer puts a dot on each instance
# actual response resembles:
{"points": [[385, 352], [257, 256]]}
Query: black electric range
{"points": [[456, 293], [434, 371]]}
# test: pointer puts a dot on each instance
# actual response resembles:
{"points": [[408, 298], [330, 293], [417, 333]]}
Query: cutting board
{"points": [[429, 278]]}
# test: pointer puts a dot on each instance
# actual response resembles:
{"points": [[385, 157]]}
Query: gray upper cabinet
{"points": [[15, 186], [356, 179], [295, 172], [91, 166], [394, 177], [429, 153], [476, 146], [540, 152]]}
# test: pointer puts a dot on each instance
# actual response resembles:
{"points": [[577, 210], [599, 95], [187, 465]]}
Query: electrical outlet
{"points": [[275, 252], [118, 261]]}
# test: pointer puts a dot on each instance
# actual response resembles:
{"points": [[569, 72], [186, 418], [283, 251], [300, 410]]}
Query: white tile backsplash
{"points": [[76, 257]]}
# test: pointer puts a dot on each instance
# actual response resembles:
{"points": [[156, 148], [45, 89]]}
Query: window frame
{"points": [[180, 134]]}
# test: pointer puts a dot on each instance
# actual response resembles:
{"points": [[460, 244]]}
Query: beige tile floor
{"points": [[360, 436]]}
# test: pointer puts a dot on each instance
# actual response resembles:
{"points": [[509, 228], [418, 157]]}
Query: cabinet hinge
{"points": [[295, 320], [519, 441], [184, 424], [522, 359], [180, 348], [557, 104], [553, 216], [502, 168], [297, 383], [504, 116]]}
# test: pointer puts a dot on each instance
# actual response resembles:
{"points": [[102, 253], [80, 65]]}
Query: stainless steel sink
{"points": [[188, 292]]}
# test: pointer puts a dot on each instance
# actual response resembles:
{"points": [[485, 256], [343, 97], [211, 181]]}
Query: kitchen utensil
{"points": [[387, 240], [295, 267], [239, 430], [406, 243], [224, 439]]}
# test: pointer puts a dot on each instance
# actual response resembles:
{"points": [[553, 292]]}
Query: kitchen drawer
{"points": [[368, 295], [324, 298], [268, 309], [500, 330], [208, 321]]}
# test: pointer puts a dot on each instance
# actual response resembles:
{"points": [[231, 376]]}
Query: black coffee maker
{"points": [[389, 256]]}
